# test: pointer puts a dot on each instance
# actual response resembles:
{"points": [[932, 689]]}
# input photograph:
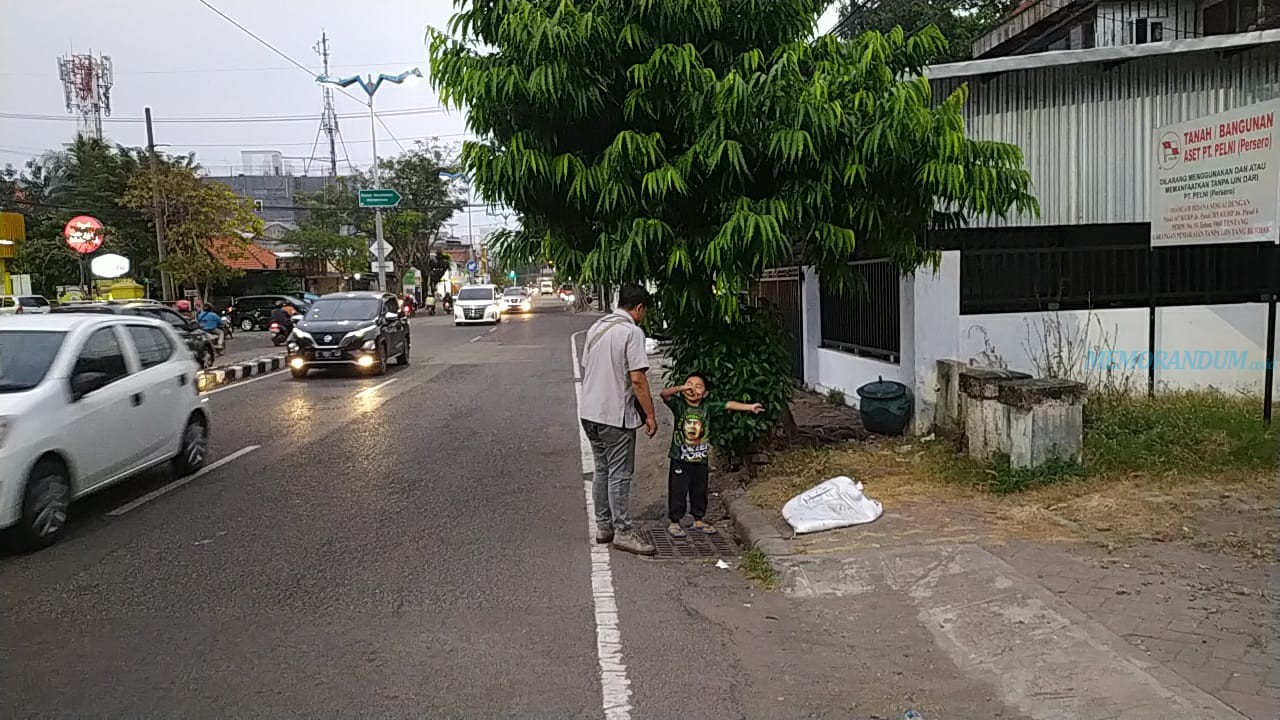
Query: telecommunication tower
{"points": [[86, 87], [328, 118]]}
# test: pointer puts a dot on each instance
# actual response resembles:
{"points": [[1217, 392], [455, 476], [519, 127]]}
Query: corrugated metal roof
{"points": [[1086, 129], [1119, 53]]}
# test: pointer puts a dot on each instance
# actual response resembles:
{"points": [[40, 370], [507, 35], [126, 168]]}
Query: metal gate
{"points": [[780, 288]]}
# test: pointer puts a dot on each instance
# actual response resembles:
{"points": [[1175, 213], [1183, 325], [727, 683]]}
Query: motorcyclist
{"points": [[282, 316], [184, 309], [211, 323]]}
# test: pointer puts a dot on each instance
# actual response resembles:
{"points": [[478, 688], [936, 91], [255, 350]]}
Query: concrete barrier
{"points": [[216, 377]]}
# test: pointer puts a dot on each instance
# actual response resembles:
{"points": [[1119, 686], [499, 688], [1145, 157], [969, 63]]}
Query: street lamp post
{"points": [[370, 86]]}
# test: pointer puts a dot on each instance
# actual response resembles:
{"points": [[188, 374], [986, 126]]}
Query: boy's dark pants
{"points": [[687, 479]]}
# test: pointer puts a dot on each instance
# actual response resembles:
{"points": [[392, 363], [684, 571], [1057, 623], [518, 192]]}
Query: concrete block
{"points": [[1045, 420]]}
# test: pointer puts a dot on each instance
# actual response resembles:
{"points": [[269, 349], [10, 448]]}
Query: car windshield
{"points": [[514, 292], [25, 357], [475, 294], [344, 309]]}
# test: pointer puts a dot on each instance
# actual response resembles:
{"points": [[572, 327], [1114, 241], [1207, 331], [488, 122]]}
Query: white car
{"points": [[477, 304], [85, 401], [23, 304], [517, 299]]}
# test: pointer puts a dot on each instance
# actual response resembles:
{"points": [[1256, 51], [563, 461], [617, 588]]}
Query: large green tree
{"points": [[87, 177], [695, 143], [411, 228], [960, 21], [204, 221]]}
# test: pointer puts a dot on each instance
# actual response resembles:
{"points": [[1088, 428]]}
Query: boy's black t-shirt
{"points": [[691, 440]]}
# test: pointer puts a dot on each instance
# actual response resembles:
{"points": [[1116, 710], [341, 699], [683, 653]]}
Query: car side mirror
{"points": [[86, 382], [391, 317]]}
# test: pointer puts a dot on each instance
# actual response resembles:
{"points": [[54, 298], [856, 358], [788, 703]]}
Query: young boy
{"points": [[690, 449]]}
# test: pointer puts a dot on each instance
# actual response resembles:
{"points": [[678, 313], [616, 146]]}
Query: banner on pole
{"points": [[1215, 179]]}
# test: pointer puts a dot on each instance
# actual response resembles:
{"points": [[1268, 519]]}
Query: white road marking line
{"points": [[615, 687], [242, 383], [475, 338], [158, 492], [573, 347], [493, 330], [368, 390]]}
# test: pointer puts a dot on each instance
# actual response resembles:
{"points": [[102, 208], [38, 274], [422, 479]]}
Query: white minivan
{"points": [[478, 304], [86, 401]]}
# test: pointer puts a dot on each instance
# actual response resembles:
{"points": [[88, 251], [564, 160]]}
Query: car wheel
{"points": [[44, 505], [298, 372], [247, 324], [403, 359], [380, 367], [195, 447]]}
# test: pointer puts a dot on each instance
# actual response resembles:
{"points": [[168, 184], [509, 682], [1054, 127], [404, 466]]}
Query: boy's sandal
{"points": [[674, 530], [705, 528]]}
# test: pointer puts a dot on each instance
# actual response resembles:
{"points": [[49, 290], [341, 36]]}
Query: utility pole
{"points": [[166, 289], [328, 118], [377, 212]]}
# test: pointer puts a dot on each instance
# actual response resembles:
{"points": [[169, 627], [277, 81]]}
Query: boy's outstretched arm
{"points": [[753, 408], [676, 390]]}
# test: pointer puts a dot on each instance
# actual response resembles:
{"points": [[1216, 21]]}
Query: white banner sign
{"points": [[1216, 178]]}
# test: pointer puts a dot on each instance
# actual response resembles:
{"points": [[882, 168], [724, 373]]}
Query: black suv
{"points": [[360, 329], [253, 312], [198, 342]]}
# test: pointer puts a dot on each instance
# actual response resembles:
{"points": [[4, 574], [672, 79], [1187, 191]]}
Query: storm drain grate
{"points": [[695, 546]]}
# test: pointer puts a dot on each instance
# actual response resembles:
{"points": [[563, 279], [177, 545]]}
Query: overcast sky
{"points": [[184, 61]]}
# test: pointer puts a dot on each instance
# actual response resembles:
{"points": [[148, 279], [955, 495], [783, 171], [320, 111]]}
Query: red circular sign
{"points": [[83, 233]]}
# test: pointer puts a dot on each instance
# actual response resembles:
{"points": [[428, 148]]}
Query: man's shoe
{"points": [[631, 542], [604, 536]]}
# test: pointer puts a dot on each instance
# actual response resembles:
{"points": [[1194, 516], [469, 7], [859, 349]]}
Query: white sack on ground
{"points": [[835, 503]]}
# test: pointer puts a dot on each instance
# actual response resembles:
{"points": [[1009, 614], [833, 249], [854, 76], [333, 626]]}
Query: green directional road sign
{"points": [[382, 198]]}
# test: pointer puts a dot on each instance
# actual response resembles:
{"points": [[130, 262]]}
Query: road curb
{"points": [[757, 530], [242, 370]]}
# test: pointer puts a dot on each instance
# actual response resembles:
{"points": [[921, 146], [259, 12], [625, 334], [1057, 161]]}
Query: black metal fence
{"points": [[866, 320], [780, 289], [1007, 270]]}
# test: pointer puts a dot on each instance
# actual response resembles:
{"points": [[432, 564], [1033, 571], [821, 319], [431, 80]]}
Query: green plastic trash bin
{"points": [[885, 407]]}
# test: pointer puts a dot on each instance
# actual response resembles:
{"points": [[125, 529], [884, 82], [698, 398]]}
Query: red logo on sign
{"points": [[83, 233]]}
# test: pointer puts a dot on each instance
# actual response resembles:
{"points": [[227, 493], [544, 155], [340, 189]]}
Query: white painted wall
{"points": [[1014, 341], [933, 329]]}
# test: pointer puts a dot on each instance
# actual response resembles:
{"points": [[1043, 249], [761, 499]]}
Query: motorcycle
{"points": [[279, 333], [408, 310], [228, 329], [448, 306], [431, 306]]}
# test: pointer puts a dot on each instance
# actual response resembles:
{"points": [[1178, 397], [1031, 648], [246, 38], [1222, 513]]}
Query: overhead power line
{"points": [[404, 112], [195, 71], [297, 64]]}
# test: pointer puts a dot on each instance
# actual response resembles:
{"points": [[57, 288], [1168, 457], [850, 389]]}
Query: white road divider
{"points": [[215, 377]]}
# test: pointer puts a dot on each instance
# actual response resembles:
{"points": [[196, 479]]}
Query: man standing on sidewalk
{"points": [[615, 403]]}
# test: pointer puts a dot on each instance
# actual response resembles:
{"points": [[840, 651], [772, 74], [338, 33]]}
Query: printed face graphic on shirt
{"points": [[692, 429]]}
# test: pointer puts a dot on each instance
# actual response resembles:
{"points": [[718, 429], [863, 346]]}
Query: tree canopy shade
{"points": [[696, 143], [961, 21]]}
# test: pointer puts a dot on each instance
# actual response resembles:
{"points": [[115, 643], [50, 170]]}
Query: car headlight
{"points": [[368, 345], [6, 426], [292, 347]]}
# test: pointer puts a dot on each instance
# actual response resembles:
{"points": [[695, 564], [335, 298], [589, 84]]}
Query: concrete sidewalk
{"points": [[1060, 631]]}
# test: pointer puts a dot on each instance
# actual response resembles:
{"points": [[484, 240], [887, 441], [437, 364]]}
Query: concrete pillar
{"points": [[810, 323], [931, 332]]}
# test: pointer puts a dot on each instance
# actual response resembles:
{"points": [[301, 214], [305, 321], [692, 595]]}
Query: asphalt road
{"points": [[407, 546]]}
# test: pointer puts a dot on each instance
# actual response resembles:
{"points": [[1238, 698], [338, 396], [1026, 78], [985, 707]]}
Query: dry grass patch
{"points": [[1198, 467]]}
